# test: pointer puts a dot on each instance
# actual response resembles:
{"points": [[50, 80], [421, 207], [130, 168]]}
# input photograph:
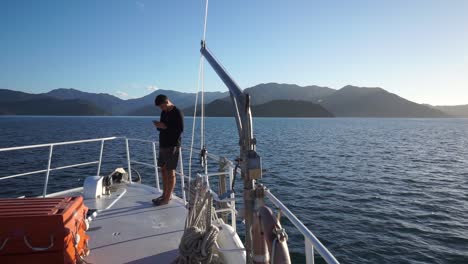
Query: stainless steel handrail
{"points": [[49, 162], [155, 165], [99, 161], [58, 143], [141, 140]]}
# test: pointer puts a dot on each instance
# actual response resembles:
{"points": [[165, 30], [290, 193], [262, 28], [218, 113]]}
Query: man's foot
{"points": [[156, 200], [161, 202]]}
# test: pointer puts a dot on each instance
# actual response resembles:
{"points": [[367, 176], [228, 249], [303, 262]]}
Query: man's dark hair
{"points": [[160, 99]]}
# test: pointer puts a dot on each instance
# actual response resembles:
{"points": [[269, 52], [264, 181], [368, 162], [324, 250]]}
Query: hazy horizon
{"points": [[149, 92], [417, 49]]}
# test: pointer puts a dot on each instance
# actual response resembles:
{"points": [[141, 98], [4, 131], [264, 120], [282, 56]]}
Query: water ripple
{"points": [[372, 190]]}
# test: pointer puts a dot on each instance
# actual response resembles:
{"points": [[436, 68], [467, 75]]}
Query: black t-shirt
{"points": [[171, 136]]}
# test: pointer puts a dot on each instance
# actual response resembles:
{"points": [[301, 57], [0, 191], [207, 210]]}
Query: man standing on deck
{"points": [[170, 127]]}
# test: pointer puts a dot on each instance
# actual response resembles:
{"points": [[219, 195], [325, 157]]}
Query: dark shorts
{"points": [[168, 157]]}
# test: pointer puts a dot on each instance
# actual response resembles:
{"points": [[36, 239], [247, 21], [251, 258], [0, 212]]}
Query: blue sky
{"points": [[417, 49]]}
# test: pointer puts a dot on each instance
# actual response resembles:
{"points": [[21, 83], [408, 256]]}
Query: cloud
{"points": [[151, 88], [122, 95]]}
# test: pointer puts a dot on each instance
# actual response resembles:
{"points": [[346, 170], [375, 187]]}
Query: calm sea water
{"points": [[372, 190]]}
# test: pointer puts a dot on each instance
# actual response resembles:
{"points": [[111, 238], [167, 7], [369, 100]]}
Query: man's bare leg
{"points": [[171, 181], [165, 183]]}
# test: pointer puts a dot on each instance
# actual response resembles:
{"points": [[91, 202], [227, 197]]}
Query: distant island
{"points": [[268, 100], [51, 106], [275, 108]]}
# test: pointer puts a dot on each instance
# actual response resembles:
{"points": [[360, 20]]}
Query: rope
{"points": [[199, 238], [234, 175]]}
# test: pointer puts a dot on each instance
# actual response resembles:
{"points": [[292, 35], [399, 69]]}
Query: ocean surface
{"points": [[372, 190]]}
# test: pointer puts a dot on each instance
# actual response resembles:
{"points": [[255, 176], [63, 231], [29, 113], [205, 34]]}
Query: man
{"points": [[170, 126]]}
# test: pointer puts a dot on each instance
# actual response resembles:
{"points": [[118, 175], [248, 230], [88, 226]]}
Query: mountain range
{"points": [[275, 108], [454, 110], [268, 99], [117, 106]]}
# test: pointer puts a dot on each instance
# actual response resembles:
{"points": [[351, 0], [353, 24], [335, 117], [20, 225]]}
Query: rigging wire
{"points": [[201, 78], [202, 116], [206, 19], [194, 120]]}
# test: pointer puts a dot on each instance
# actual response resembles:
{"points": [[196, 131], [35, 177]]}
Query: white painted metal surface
{"points": [[92, 187], [132, 230], [129, 229]]}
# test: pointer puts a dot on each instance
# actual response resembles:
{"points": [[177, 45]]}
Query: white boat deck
{"points": [[129, 229]]}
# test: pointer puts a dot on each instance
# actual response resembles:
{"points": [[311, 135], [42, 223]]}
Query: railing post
{"points": [[182, 176], [309, 250], [100, 158], [128, 160], [207, 179], [233, 203], [44, 193], [311, 242], [156, 173]]}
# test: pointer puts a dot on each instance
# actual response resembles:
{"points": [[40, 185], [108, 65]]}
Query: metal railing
{"points": [[155, 165], [49, 162], [311, 242], [230, 200], [51, 146]]}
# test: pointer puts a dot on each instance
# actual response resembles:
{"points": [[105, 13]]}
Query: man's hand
{"points": [[160, 125]]}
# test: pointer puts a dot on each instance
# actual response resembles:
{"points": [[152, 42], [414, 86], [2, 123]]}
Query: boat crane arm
{"points": [[236, 93], [250, 161], [241, 102]]}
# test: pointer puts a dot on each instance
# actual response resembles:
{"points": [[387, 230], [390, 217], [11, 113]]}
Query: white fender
{"points": [[230, 245]]}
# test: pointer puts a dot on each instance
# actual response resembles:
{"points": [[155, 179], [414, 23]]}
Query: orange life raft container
{"points": [[43, 230]]}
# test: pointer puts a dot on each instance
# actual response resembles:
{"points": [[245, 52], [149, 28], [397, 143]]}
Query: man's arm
{"points": [[160, 125], [175, 126]]}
